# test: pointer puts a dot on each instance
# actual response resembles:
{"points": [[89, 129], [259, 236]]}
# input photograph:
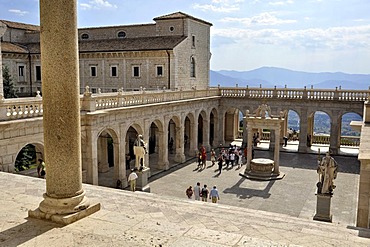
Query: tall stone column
{"points": [[194, 134], [91, 157], [64, 201], [179, 144], [334, 134], [250, 147], [302, 147], [245, 132], [206, 133], [2, 31], [221, 128], [103, 165], [277, 151]]}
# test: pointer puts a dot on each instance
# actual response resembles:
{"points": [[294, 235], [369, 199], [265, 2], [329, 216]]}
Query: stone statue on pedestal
{"points": [[139, 151], [327, 170]]}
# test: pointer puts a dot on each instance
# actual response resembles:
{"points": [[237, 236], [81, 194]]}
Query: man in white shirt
{"points": [[197, 192], [132, 180]]}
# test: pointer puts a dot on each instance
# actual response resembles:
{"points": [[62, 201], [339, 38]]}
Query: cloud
{"points": [[224, 6], [335, 38], [281, 3], [97, 4], [18, 12], [261, 19]]}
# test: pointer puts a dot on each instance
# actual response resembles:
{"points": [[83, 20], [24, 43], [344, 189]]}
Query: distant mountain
{"points": [[271, 76]]}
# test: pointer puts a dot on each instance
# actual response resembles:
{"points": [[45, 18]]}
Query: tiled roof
{"points": [[180, 15], [110, 45], [19, 25], [12, 48], [132, 44]]}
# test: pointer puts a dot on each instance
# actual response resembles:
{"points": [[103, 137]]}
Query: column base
{"points": [[180, 158], [64, 210], [64, 219]]}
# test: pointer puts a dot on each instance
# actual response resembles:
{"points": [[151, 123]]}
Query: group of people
{"points": [[230, 157], [203, 193]]}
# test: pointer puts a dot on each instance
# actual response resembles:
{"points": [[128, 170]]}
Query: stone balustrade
{"points": [[32, 107], [294, 94]]}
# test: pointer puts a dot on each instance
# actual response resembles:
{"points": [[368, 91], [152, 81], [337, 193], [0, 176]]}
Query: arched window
{"points": [[84, 36], [172, 29], [192, 67], [121, 34]]}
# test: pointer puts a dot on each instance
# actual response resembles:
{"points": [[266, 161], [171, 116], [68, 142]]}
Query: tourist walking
{"points": [[197, 192], [132, 179], [213, 157], [189, 192], [240, 159], [204, 193], [220, 162], [213, 195]]}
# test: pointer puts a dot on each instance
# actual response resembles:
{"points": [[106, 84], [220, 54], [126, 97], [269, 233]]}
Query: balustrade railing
{"points": [[32, 107], [293, 94]]}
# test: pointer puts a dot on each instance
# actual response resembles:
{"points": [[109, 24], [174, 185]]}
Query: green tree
{"points": [[9, 90]]}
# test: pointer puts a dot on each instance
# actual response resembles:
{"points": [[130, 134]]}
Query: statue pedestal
{"points": [[323, 208], [142, 180]]}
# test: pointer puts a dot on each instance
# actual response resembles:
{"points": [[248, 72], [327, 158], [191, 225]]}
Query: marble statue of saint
{"points": [[139, 151], [327, 171]]}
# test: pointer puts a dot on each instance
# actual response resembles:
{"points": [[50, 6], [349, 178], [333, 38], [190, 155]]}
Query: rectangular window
{"points": [[159, 69], [93, 90], [113, 71], [38, 73], [136, 71], [193, 40], [93, 71], [21, 70]]}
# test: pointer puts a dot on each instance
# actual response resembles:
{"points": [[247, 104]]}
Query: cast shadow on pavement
{"points": [[24, 232], [246, 193]]}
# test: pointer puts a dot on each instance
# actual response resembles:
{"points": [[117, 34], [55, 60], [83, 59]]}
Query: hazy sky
{"points": [[305, 35]]}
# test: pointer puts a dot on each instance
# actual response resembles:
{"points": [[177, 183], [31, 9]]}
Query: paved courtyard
{"points": [[293, 195]]}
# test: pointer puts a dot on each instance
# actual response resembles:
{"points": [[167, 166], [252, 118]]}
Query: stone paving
{"points": [[250, 213]]}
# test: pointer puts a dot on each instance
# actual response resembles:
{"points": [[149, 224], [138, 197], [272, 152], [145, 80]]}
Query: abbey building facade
{"points": [[172, 53]]}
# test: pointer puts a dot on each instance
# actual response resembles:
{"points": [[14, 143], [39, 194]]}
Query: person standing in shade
{"points": [[214, 194], [41, 169], [197, 192], [205, 193], [132, 180]]}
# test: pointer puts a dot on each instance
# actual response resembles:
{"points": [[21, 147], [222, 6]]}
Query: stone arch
{"points": [[202, 120], [107, 157], [231, 118], [36, 151], [173, 135], [349, 137], [320, 135], [131, 134]]}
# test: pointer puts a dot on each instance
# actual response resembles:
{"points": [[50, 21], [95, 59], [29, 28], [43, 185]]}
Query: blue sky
{"points": [[304, 35]]}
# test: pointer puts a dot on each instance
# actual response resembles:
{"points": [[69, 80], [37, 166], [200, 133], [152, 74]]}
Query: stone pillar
{"points": [[250, 147], [2, 31], [64, 201], [273, 140], [310, 125], [164, 146], [245, 132], [122, 160], [221, 128], [91, 159], [147, 124], [179, 143], [277, 152], [103, 165], [302, 148], [334, 134], [162, 151], [363, 207], [194, 135], [206, 133]]}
